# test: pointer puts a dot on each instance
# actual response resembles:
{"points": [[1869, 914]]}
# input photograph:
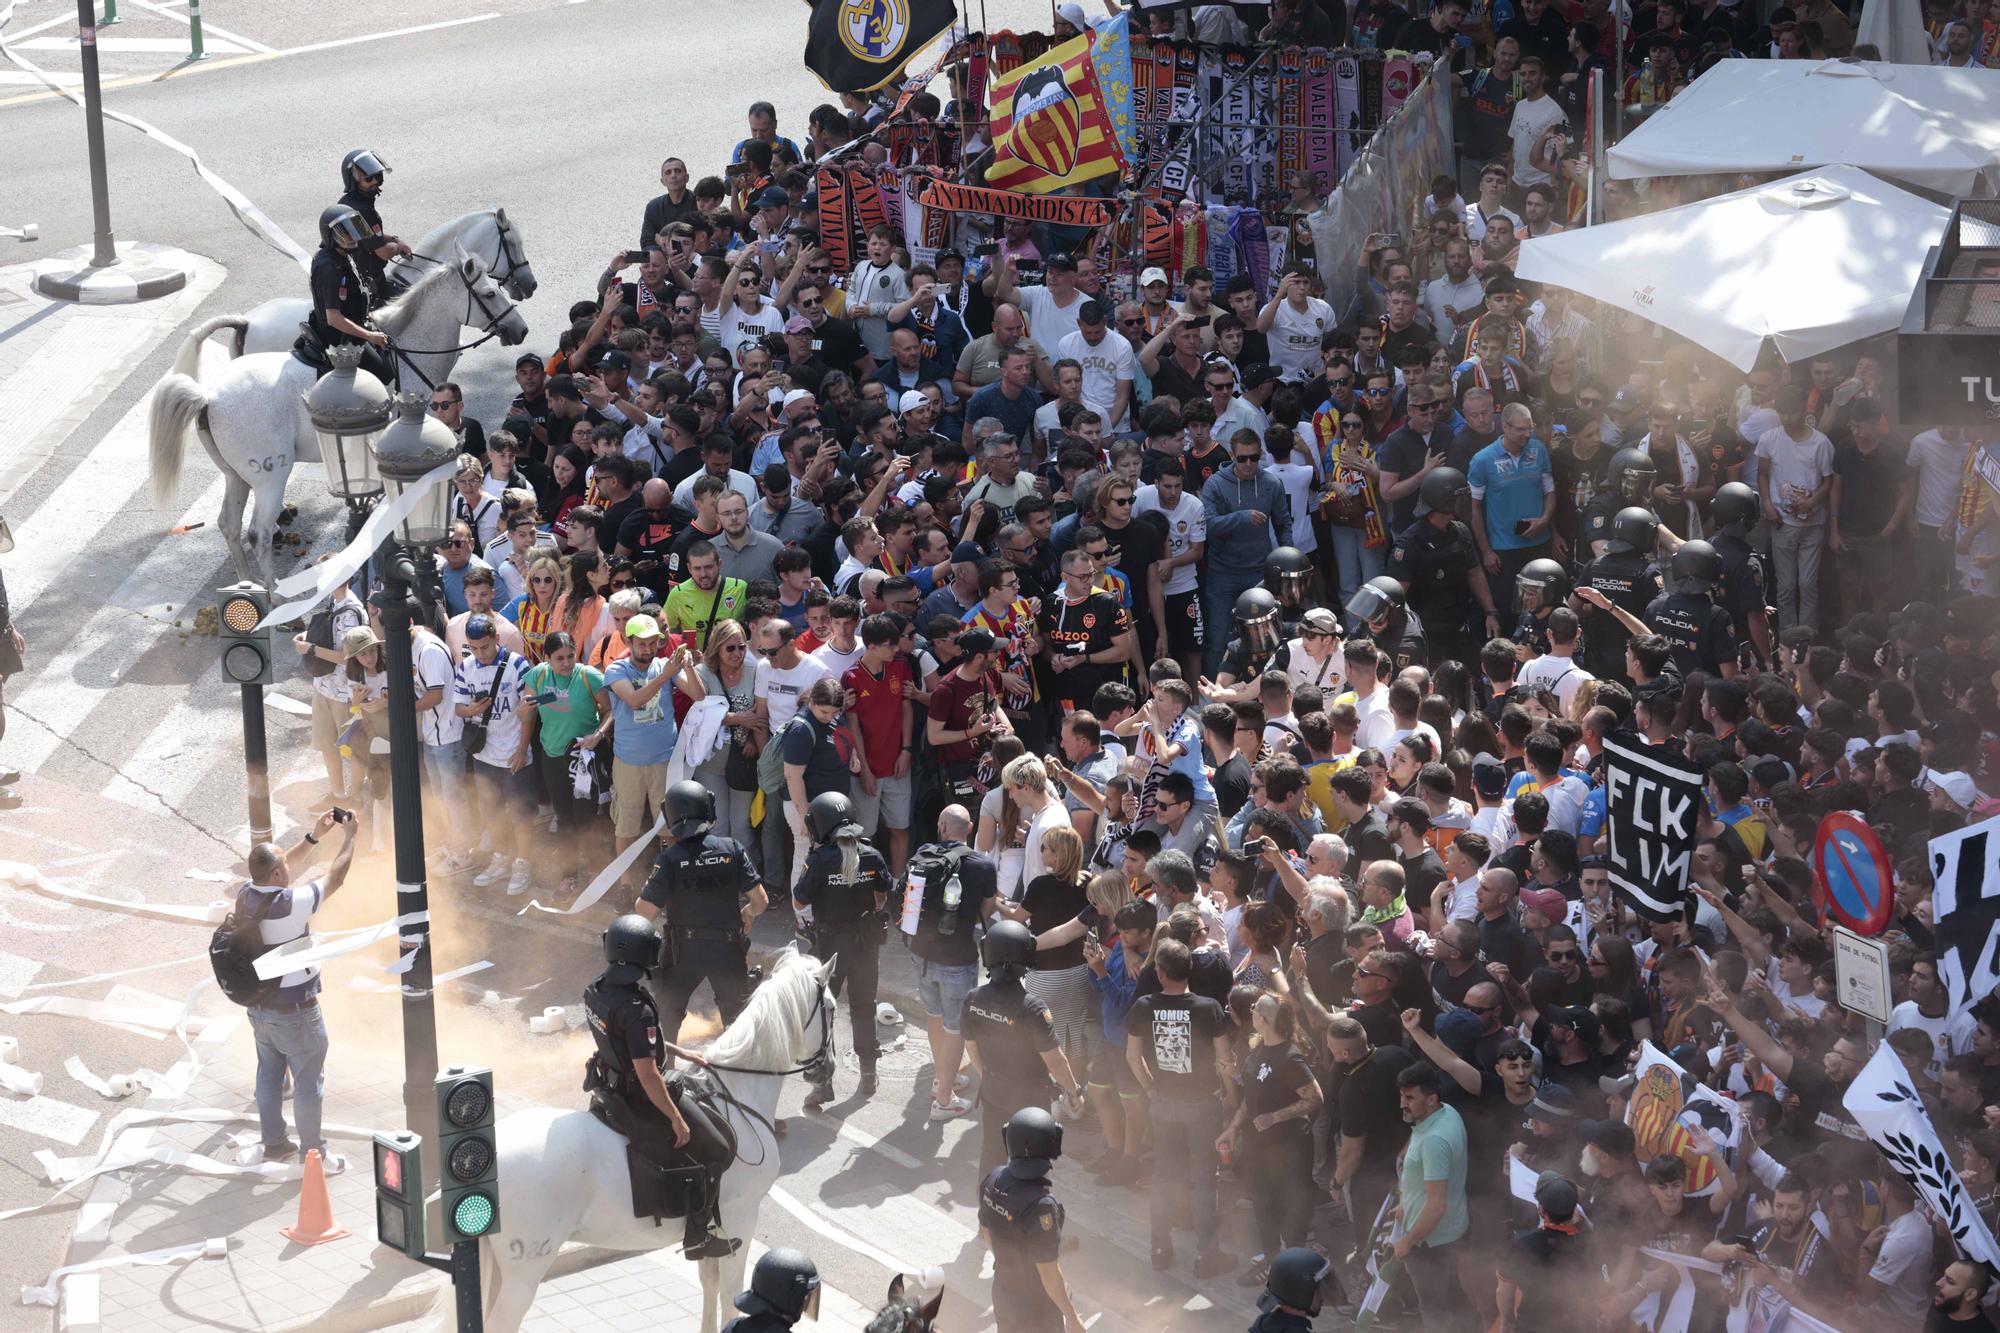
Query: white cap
{"points": [[1072, 14], [1958, 786], [795, 395], [1152, 275], [911, 400]]}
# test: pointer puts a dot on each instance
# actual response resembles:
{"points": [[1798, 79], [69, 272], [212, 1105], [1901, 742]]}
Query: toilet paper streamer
{"points": [[215, 1247], [34, 881], [606, 879]]}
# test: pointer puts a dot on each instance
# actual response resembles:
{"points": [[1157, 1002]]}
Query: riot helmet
{"points": [[1257, 620], [1631, 475], [630, 941], [1633, 528], [830, 815], [1376, 602], [1444, 490], [690, 810], [1540, 584], [1034, 1139], [362, 162], [341, 228], [1287, 571], [1734, 505], [1294, 1280], [784, 1283], [1009, 946], [1696, 568]]}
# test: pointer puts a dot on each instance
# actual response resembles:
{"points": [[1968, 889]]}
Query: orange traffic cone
{"points": [[315, 1225]]}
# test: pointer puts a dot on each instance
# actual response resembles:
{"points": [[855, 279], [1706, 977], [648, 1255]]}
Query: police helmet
{"points": [[1541, 583], [1444, 490], [1257, 615], [1287, 571], [1734, 503], [1696, 567], [340, 227], [830, 815], [1375, 601], [1294, 1280], [784, 1283], [690, 809], [361, 162], [1033, 1137], [1633, 528], [631, 941], [1009, 944], [1632, 474]]}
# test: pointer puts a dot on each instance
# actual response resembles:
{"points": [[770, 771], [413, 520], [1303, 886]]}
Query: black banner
{"points": [[1652, 809], [1948, 379], [856, 46]]}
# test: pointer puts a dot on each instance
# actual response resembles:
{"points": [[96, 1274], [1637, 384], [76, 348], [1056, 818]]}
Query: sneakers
{"points": [[950, 1110], [555, 824], [496, 870], [522, 878], [1213, 1262], [454, 866], [276, 1152], [1163, 1257]]}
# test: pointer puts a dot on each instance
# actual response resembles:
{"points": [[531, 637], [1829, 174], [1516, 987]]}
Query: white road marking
{"points": [[16, 972], [380, 36], [10, 78], [77, 364], [47, 1117], [208, 31], [875, 1143], [171, 46]]}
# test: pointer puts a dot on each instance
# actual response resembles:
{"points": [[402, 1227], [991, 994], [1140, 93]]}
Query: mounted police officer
{"points": [[784, 1288], [1291, 1292], [707, 892], [628, 1092], [1625, 575], [340, 302], [362, 174], [1702, 633], [1734, 511], [1380, 608], [1436, 561], [1011, 1036], [1540, 587], [846, 884], [1628, 481], [1023, 1223]]}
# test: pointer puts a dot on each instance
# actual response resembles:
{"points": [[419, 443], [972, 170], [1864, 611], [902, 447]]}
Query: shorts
{"points": [[634, 789], [1110, 1069], [888, 807], [329, 717], [943, 988], [1183, 622], [503, 793]]}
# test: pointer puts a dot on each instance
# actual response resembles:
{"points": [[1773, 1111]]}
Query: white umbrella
{"points": [[1896, 29], [1810, 262], [1932, 127]]}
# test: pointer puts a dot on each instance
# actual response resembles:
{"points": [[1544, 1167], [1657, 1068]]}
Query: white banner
{"points": [[1966, 900], [319, 581], [1883, 1103], [303, 953]]}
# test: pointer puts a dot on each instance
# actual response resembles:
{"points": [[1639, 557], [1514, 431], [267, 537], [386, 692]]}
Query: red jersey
{"points": [[956, 704], [878, 707]]}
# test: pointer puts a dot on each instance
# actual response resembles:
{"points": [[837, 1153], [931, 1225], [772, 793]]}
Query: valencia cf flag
{"points": [[856, 46], [1049, 124]]}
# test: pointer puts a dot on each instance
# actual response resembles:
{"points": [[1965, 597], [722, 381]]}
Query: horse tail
{"points": [[178, 402], [188, 360]]}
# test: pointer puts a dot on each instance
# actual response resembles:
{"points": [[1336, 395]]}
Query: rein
{"points": [[491, 330], [752, 1113]]}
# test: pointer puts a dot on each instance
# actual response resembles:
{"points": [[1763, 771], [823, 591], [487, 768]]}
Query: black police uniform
{"points": [[847, 927], [337, 285], [1700, 631], [1012, 1029], [766, 1322], [374, 272], [1026, 1224], [1242, 664], [1743, 585], [1595, 526], [1435, 565], [1532, 628], [945, 925], [699, 885], [1627, 578], [1281, 1321], [626, 1028], [1403, 641]]}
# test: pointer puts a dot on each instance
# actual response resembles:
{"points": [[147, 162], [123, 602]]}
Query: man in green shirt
{"points": [[1431, 1199], [705, 596]]}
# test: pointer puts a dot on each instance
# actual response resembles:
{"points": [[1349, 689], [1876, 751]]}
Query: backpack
{"points": [[233, 952], [319, 633]]}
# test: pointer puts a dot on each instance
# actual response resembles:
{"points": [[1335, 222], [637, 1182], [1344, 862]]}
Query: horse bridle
{"points": [[821, 1056], [488, 331], [504, 254]]}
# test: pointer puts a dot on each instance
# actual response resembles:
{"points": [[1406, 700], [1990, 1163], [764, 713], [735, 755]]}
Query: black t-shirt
{"points": [[1503, 941], [1177, 1040], [812, 746], [1820, 1111], [1451, 989], [1382, 1022], [678, 548], [1418, 35], [1578, 482], [1202, 466], [1403, 454], [1272, 1080], [1232, 785], [680, 465], [1554, 1271], [1548, 39], [1370, 839], [1491, 1124], [1076, 630], [1173, 382], [1367, 1107], [1421, 874], [1869, 487], [1051, 902], [1011, 1029], [837, 343], [646, 536], [1134, 550]]}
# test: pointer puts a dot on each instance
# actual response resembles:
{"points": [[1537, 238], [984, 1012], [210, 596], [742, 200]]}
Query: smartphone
{"points": [[1256, 846], [987, 250], [1521, 527], [341, 816], [1198, 322]]}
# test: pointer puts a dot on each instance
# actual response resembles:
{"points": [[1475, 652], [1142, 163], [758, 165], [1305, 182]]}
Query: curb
{"points": [[144, 272], [402, 1307]]}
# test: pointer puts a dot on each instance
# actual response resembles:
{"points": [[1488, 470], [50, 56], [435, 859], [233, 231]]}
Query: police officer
{"points": [[1380, 608], [1734, 511], [784, 1288], [1628, 481], [340, 296], [1288, 573], [1540, 587], [704, 885], [1291, 1292], [362, 173], [1625, 576], [846, 885], [1011, 1037], [1260, 632], [1702, 633], [1023, 1223], [627, 1090], [1436, 560]]}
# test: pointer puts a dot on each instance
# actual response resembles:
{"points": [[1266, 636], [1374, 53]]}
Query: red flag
{"points": [[1049, 124]]}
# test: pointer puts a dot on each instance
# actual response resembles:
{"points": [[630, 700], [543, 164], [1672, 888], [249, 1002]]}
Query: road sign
{"points": [[1861, 974], [1853, 865]]}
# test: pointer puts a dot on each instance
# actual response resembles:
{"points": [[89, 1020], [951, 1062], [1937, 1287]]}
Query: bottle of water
{"points": [[1646, 90], [953, 890]]}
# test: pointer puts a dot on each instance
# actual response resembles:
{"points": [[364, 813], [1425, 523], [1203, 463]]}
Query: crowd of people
{"points": [[1253, 662]]}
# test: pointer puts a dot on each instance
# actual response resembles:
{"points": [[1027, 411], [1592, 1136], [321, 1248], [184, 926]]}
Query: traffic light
{"points": [[246, 650], [399, 1192], [467, 1148]]}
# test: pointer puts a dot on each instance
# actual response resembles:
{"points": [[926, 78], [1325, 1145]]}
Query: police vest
{"points": [[706, 879], [1010, 1206], [840, 900], [609, 1007]]}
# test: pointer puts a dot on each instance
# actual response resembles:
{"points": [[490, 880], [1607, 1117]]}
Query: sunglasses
{"points": [[1590, 402], [1568, 956], [746, 282], [1423, 407], [734, 648], [1249, 458], [1345, 382], [812, 304], [1351, 424], [1129, 323], [620, 583], [1224, 386], [1118, 499], [440, 404], [458, 541], [1099, 556], [1376, 393]]}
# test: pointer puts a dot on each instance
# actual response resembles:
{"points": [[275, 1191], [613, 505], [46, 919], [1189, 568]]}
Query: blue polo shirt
{"points": [[1511, 489]]}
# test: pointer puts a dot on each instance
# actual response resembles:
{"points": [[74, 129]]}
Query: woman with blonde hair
{"points": [[725, 671], [1059, 977], [1274, 1118], [534, 611], [1001, 825]]}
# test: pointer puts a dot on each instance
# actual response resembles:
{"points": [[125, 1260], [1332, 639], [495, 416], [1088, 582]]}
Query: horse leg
{"points": [[510, 1284], [235, 494], [269, 502], [721, 1279]]}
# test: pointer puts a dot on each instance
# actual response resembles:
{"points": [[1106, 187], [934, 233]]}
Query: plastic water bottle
{"points": [[953, 891], [1647, 92]]}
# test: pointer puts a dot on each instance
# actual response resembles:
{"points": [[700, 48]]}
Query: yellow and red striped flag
{"points": [[1049, 124]]}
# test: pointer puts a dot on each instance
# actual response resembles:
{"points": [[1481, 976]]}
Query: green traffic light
{"points": [[472, 1215]]}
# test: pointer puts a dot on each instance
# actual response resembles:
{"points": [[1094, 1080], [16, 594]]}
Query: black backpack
{"points": [[233, 952], [319, 633]]}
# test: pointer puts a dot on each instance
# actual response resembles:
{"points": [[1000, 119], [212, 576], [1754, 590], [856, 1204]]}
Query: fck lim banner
{"points": [[1653, 802]]}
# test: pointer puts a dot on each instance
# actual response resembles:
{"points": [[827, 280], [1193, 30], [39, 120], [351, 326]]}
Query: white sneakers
{"points": [[520, 881], [951, 1110], [496, 870]]}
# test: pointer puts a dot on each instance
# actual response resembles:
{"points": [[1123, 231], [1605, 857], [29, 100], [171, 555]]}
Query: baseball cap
{"points": [[796, 396], [527, 359], [967, 553], [1072, 14], [1320, 621], [1151, 276], [1256, 375], [613, 359], [1612, 1136], [1556, 1195], [1628, 397], [798, 324], [1489, 776], [478, 627], [642, 627], [1578, 1019], [1958, 786], [1548, 904], [975, 641], [1061, 259], [911, 401], [1552, 1102], [772, 196]]}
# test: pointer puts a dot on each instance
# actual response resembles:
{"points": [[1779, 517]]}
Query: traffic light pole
{"points": [[465, 1284], [257, 759]]}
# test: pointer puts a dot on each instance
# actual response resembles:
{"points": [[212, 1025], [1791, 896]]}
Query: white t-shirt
{"points": [[1949, 1035], [1378, 724], [1903, 1267], [1051, 815], [1187, 526], [1939, 464], [1464, 902], [1048, 420], [782, 687], [1797, 467], [1563, 675], [1300, 669], [1110, 360], [503, 679], [1475, 229], [1530, 119], [837, 662], [879, 288], [348, 613], [436, 668], [738, 481], [1297, 479], [1439, 292], [1294, 339], [1051, 323], [743, 329]]}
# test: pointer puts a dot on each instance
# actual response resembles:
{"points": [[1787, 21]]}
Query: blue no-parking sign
{"points": [[1853, 865]]}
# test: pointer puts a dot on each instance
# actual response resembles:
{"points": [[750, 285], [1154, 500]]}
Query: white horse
{"points": [[567, 1169], [251, 412]]}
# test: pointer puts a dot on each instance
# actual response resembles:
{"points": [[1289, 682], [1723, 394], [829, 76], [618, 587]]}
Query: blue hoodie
{"points": [[1114, 995], [1237, 542]]}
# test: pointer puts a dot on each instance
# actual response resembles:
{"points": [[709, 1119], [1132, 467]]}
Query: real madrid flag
{"points": [[856, 46], [1049, 124]]}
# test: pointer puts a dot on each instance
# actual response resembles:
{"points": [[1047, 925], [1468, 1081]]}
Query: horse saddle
{"points": [[667, 1182], [308, 348]]}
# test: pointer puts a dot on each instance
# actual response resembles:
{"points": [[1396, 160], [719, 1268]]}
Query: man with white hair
{"points": [[1327, 914], [1327, 855], [947, 891]]}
